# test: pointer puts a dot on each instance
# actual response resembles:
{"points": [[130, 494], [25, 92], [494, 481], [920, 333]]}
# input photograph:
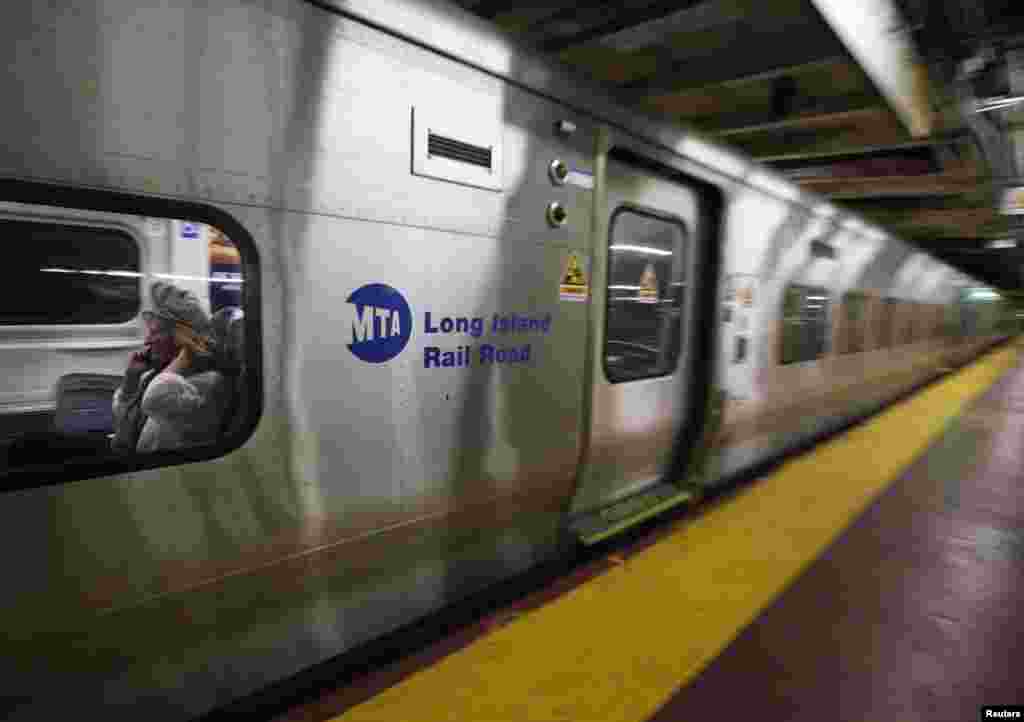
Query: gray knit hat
{"points": [[177, 304]]}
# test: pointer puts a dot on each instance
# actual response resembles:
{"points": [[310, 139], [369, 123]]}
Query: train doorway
{"points": [[643, 331]]}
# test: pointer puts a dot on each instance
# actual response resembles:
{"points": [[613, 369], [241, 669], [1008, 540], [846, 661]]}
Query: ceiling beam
{"points": [[769, 74], [876, 34], [700, 16], [767, 53], [834, 133], [897, 188], [566, 18], [852, 153], [491, 9], [830, 113], [608, 21], [937, 223]]}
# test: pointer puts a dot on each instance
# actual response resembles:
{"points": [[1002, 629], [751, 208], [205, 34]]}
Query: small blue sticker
{"points": [[380, 323], [190, 230]]}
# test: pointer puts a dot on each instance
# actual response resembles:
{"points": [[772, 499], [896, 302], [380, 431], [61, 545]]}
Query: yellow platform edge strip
{"points": [[620, 645]]}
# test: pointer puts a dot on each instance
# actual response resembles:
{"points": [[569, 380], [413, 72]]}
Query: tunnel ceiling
{"points": [[789, 83]]}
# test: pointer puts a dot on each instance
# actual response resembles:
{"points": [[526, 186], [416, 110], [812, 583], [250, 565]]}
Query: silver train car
{"points": [[479, 312]]}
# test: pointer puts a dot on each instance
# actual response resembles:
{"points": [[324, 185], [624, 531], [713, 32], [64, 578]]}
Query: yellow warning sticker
{"points": [[648, 290], [573, 286], [746, 295]]}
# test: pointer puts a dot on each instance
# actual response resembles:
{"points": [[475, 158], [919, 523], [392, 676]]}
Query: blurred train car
{"points": [[478, 312]]}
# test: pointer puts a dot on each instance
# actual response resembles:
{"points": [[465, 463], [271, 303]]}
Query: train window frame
{"points": [[786, 322], [37, 475], [689, 263]]}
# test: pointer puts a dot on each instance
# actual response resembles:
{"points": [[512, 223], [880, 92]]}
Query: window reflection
{"points": [[33, 294], [646, 289], [804, 323]]}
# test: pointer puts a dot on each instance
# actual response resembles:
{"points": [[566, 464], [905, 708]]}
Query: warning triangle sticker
{"points": [[573, 286], [648, 291]]}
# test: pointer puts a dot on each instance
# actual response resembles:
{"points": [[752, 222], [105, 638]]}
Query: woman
{"points": [[172, 395]]}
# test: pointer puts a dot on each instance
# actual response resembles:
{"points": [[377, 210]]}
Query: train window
{"points": [[854, 304], [68, 274], [885, 323], [908, 322], [126, 340], [647, 261], [804, 323], [938, 314], [951, 321], [968, 319]]}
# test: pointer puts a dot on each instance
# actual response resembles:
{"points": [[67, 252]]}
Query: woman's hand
{"points": [[185, 337], [181, 362], [137, 365]]}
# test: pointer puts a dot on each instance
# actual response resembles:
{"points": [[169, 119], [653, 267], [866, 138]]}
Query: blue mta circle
{"points": [[381, 323]]}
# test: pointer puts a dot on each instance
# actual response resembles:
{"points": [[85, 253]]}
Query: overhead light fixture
{"points": [[1002, 243], [982, 294], [986, 105], [639, 249]]}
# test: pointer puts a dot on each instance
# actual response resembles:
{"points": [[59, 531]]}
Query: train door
{"points": [[643, 326]]}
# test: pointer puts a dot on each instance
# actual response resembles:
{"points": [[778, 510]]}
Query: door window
{"points": [[648, 256]]}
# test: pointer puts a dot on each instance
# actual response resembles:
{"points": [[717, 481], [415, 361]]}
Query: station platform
{"points": [[879, 577]]}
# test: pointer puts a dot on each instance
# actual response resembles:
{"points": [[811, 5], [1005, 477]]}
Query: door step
{"points": [[596, 526]]}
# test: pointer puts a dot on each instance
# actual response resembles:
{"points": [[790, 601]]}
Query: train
{"points": [[482, 314]]}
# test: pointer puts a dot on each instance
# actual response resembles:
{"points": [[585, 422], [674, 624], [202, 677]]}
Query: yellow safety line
{"points": [[620, 645]]}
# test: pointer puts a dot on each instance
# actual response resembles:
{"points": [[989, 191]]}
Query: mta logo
{"points": [[379, 323]]}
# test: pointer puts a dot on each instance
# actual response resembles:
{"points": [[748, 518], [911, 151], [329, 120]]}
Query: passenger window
{"points": [[968, 319], [804, 323], [854, 304], [122, 341], [937, 317], [886, 321], [951, 321], [908, 313], [648, 257]]}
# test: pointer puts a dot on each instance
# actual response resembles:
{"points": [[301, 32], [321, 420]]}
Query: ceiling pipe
{"points": [[992, 139]]}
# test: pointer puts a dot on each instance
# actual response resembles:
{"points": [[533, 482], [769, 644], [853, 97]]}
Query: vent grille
{"points": [[457, 150]]}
